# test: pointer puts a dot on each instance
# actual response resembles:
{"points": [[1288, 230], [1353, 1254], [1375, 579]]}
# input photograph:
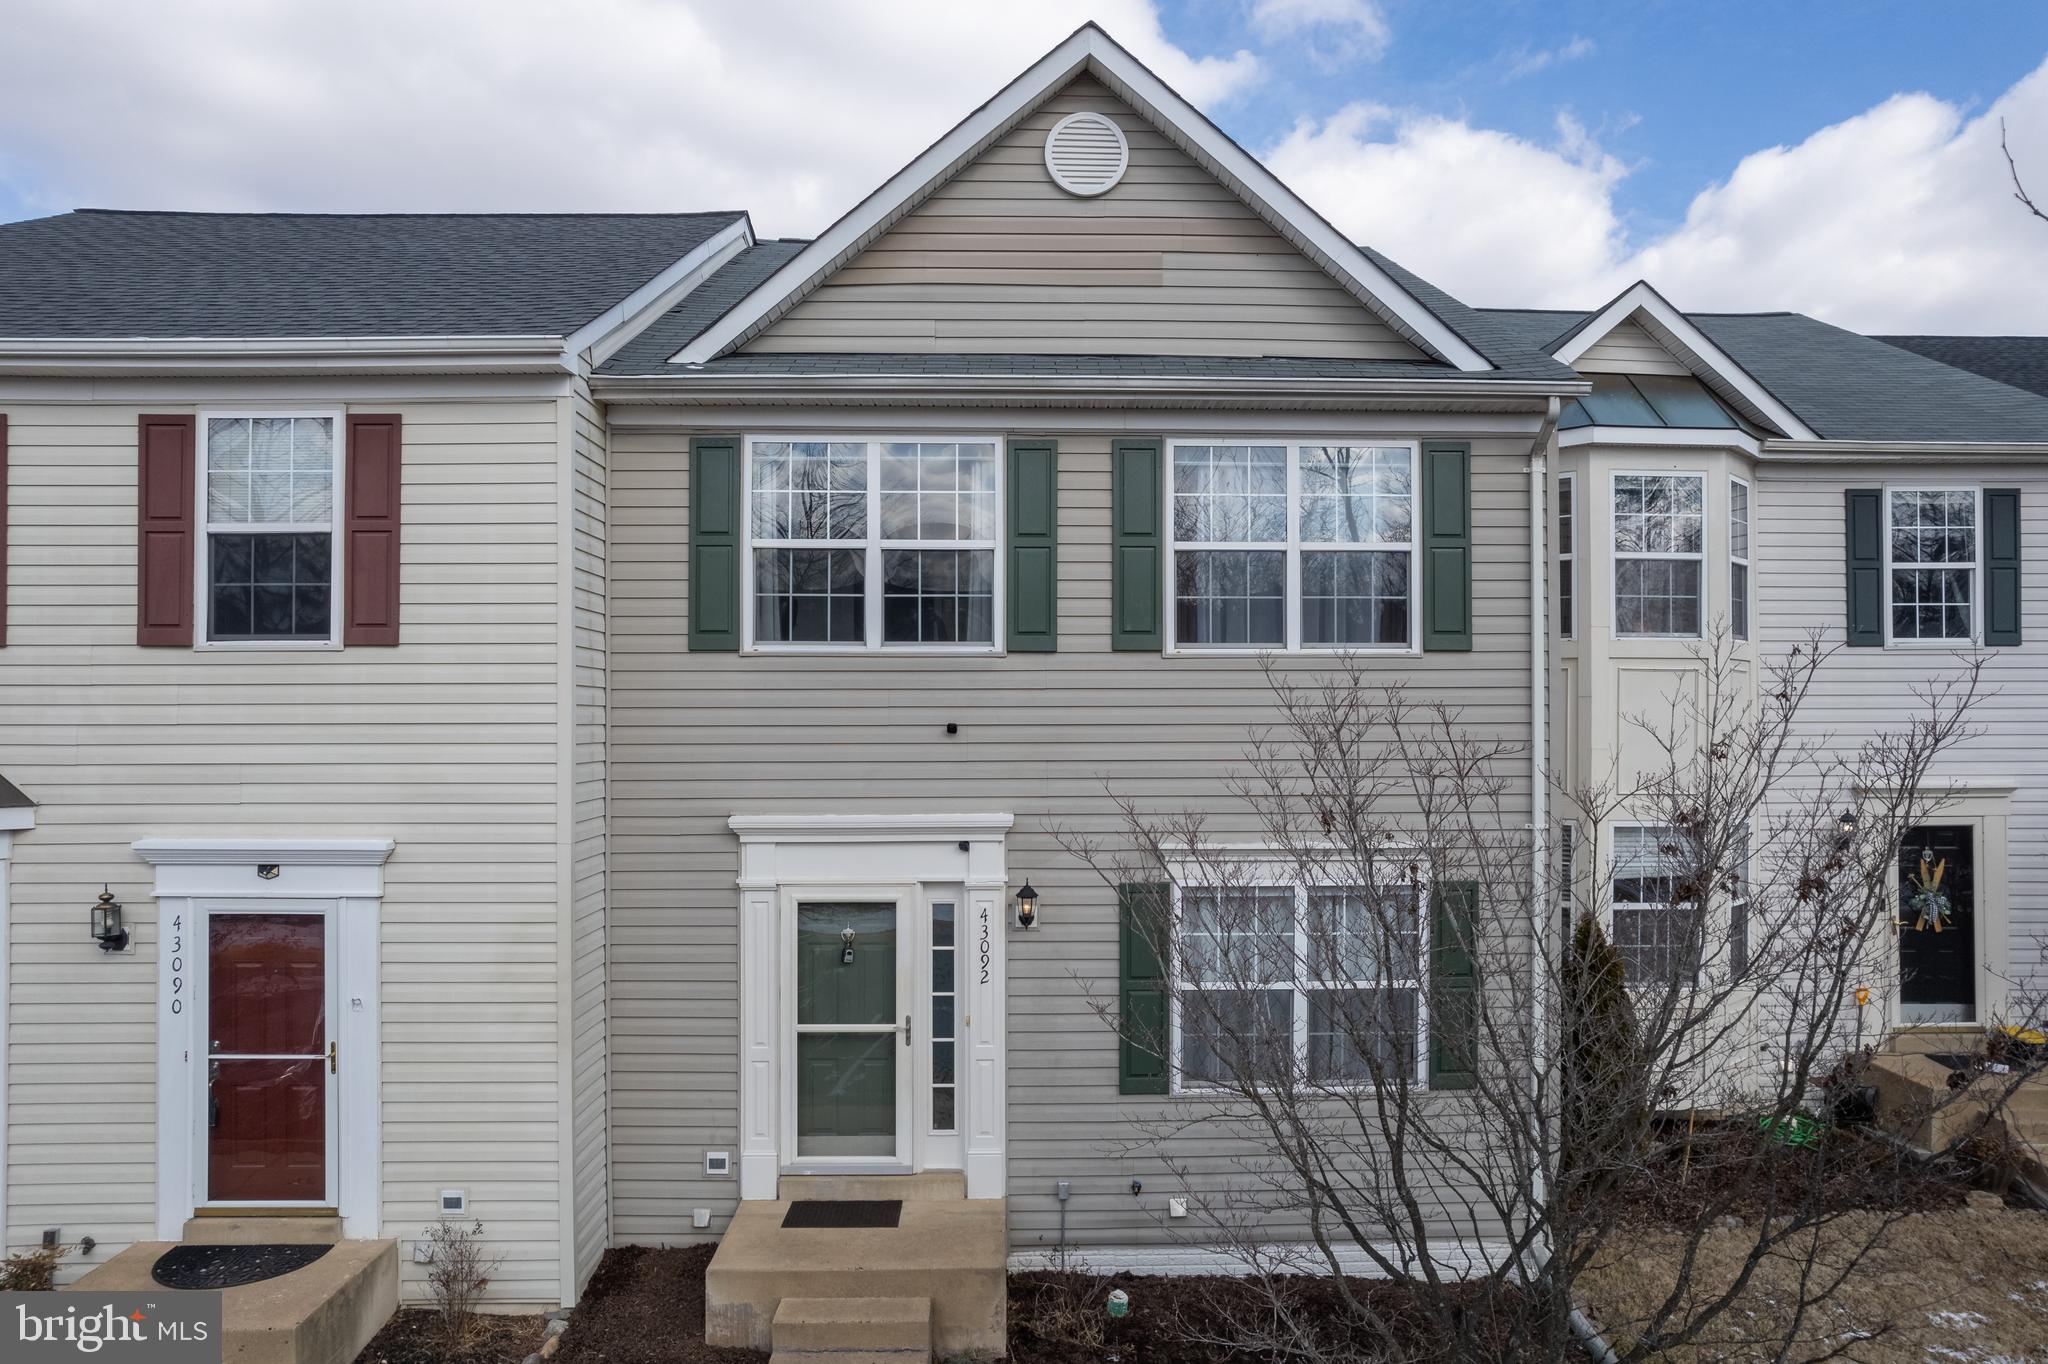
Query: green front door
{"points": [[847, 1034]]}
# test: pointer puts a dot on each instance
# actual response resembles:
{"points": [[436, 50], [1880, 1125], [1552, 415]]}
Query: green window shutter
{"points": [[1034, 546], [1136, 542], [1865, 540], [1447, 547], [2002, 566], [714, 543], [1141, 918], [1453, 985]]}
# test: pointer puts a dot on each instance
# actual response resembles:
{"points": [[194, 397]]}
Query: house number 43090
{"points": [[177, 963]]}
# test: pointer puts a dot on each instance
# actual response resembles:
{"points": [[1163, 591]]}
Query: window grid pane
{"points": [[810, 596], [1657, 938], [943, 993], [938, 491], [1230, 494], [1738, 559], [268, 587], [1356, 495], [1934, 556], [1230, 596], [938, 596], [1567, 556], [1659, 534], [809, 490]]}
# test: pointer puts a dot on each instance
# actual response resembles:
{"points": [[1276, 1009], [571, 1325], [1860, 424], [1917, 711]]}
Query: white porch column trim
{"points": [[348, 871], [777, 851], [12, 820]]}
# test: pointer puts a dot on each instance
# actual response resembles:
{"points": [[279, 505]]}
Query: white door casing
{"points": [[195, 875], [12, 821], [843, 856]]}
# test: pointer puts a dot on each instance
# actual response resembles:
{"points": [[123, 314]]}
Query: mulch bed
{"points": [[413, 1337], [1062, 1318], [646, 1306], [1847, 1171]]}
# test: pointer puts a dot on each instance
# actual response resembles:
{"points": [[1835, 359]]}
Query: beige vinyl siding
{"points": [[446, 744], [1628, 349], [1001, 260], [590, 1059], [697, 737], [1801, 584]]}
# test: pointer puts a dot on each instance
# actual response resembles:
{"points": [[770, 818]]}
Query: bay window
{"points": [[270, 570], [1567, 556], [1657, 936], [1323, 980], [1659, 554], [1292, 546], [1933, 558], [861, 544], [1738, 558]]}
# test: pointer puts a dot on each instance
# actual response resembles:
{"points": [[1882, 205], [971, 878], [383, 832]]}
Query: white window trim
{"points": [[1270, 877], [1748, 574], [202, 569], [1568, 552], [1616, 556], [1976, 565], [872, 546], [1294, 546]]}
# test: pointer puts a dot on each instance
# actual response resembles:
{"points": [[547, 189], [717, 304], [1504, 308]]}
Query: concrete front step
{"points": [[325, 1313], [951, 1254], [830, 1330], [294, 1230], [931, 1184]]}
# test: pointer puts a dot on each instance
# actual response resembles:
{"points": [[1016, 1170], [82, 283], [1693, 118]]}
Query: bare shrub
{"points": [[457, 1279], [31, 1271], [1479, 1098]]}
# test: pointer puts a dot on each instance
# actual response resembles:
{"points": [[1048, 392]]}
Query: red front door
{"points": [[267, 1058]]}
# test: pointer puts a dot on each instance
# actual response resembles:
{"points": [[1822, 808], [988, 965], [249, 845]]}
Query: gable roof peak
{"points": [[1090, 48]]}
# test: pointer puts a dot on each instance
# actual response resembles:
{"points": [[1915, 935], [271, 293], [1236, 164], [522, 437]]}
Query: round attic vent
{"points": [[1086, 153]]}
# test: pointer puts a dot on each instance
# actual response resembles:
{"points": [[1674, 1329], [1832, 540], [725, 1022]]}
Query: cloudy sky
{"points": [[1837, 158]]}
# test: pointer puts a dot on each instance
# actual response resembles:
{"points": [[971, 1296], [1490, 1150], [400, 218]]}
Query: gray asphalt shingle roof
{"points": [[106, 274], [2021, 361], [1844, 385]]}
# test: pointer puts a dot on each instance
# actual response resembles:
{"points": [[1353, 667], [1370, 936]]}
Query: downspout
{"points": [[1582, 1329]]}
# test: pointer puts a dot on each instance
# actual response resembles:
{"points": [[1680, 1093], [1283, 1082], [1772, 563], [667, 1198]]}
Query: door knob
{"points": [[906, 1030]]}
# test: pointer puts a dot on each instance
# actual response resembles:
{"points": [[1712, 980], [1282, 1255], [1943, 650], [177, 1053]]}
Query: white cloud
{"points": [[790, 108], [1528, 61], [1337, 31], [1897, 219]]}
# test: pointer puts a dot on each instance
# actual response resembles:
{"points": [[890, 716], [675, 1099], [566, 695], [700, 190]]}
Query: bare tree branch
{"points": [[2019, 191]]}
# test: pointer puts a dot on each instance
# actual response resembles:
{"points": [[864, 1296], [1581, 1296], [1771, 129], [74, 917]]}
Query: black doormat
{"points": [[843, 1212], [230, 1266]]}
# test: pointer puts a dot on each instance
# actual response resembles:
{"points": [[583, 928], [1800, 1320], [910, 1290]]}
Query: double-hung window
{"points": [[1292, 546], [1567, 556], [270, 554], [1738, 558], [1934, 559], [859, 544], [1659, 554], [1325, 980], [1657, 937]]}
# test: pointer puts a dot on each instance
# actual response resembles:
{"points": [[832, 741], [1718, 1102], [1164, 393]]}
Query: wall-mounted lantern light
{"points": [[106, 923], [1027, 907]]}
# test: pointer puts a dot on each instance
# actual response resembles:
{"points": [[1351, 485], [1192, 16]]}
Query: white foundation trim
{"points": [[882, 852], [1456, 1260], [346, 876]]}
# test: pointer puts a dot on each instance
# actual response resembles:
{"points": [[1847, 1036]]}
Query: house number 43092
{"points": [[984, 943]]}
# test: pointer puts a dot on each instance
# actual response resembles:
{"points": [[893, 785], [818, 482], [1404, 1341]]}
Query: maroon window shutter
{"points": [[370, 558], [164, 529]]}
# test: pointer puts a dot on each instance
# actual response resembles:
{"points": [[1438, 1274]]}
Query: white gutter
{"points": [[1689, 437], [1900, 451], [1061, 389], [283, 354]]}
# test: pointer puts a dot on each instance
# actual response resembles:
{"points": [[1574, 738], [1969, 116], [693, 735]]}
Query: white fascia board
{"points": [[1679, 334], [694, 389], [1909, 451], [600, 338], [868, 828], [1688, 437], [1087, 47], [284, 354], [17, 817]]}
